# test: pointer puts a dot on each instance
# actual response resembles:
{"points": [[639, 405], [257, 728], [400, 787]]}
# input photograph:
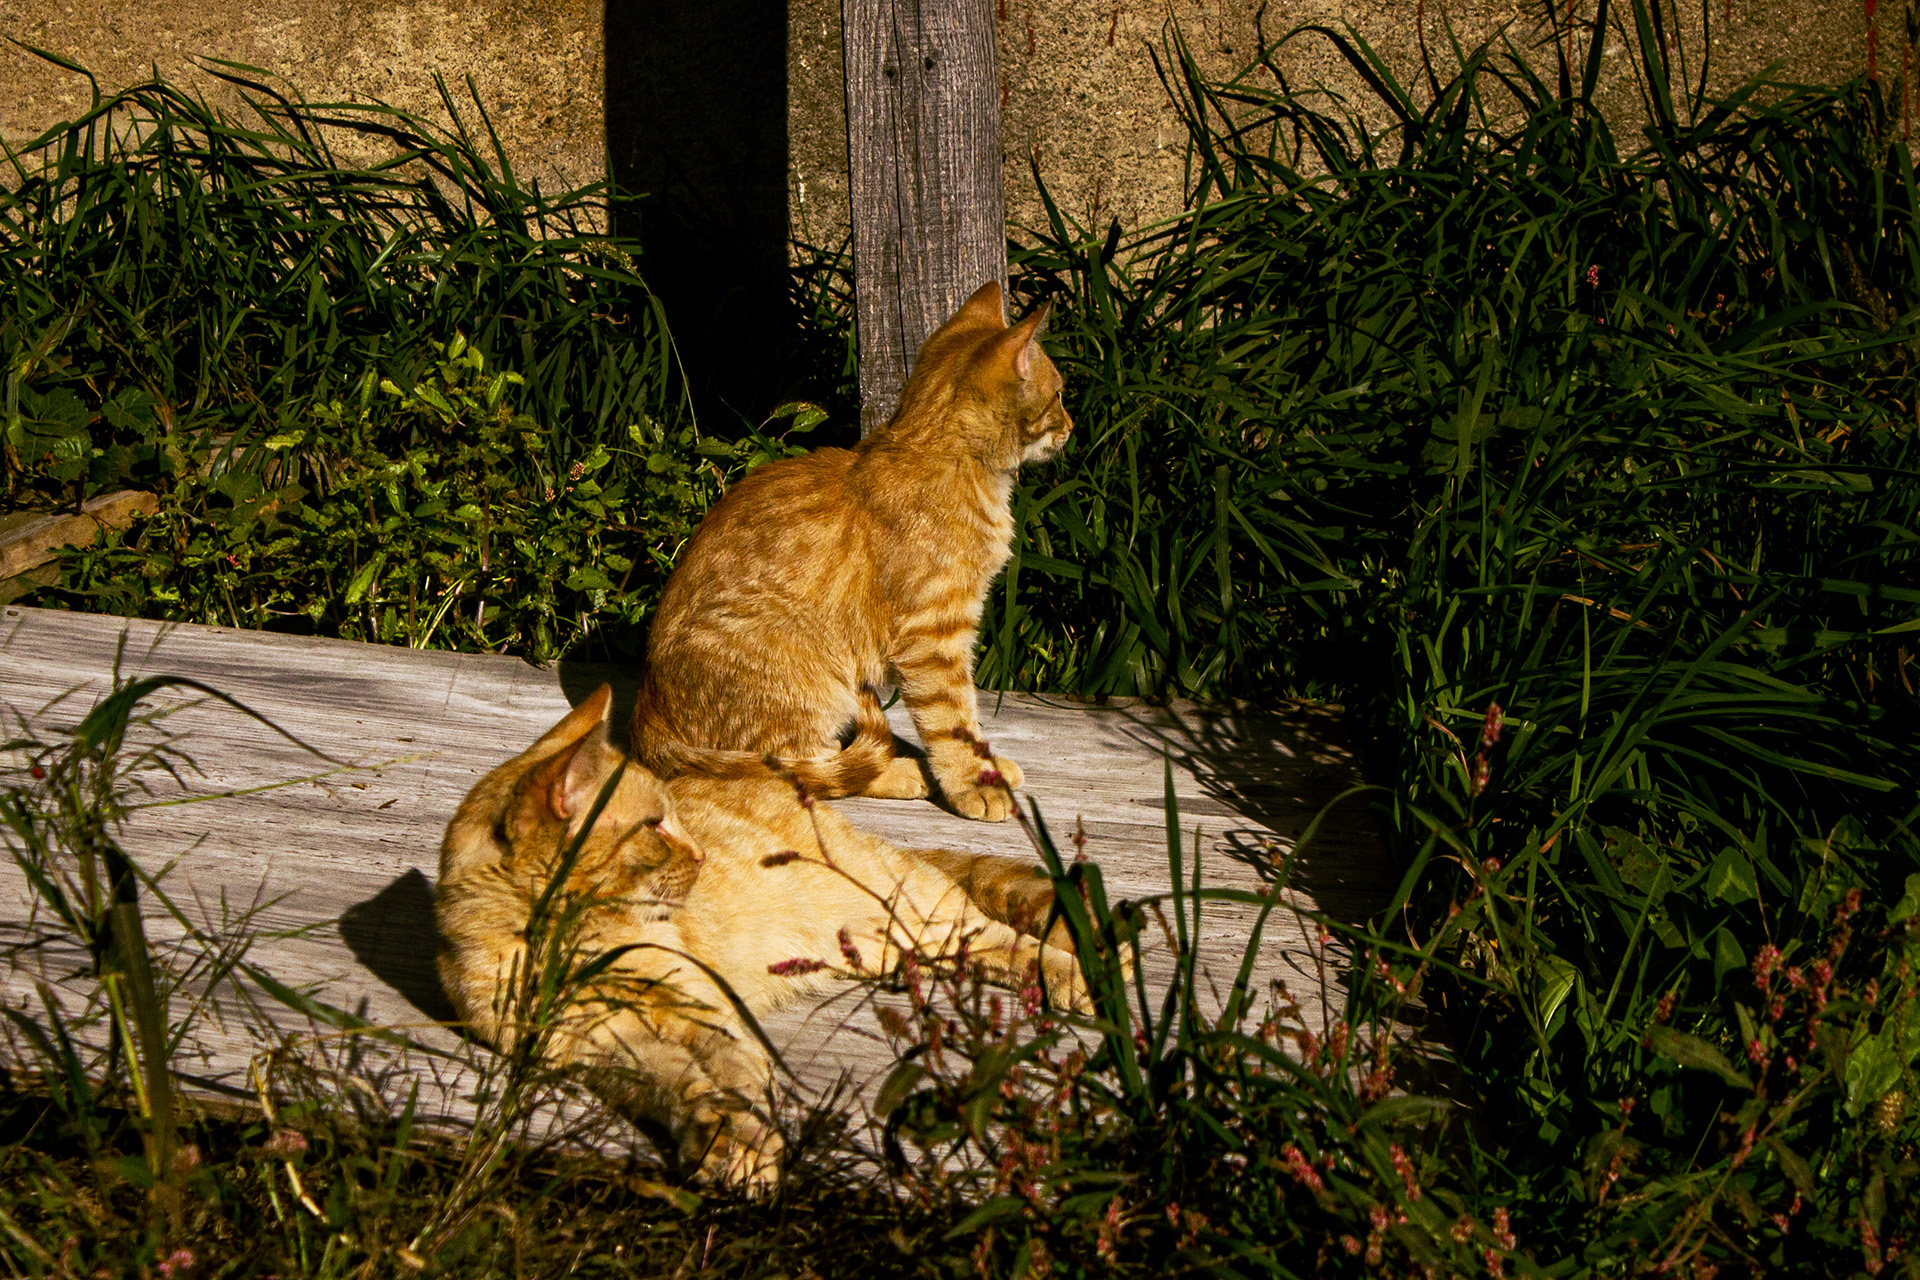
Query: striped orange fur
{"points": [[694, 904], [817, 581]]}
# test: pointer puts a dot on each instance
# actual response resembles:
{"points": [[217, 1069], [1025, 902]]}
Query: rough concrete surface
{"points": [[1080, 97], [537, 64]]}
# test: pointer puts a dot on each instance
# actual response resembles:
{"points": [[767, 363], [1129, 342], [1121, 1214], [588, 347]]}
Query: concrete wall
{"points": [[730, 114], [538, 63], [704, 80]]}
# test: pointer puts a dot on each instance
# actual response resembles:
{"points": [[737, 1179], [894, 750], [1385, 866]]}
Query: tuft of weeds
{"points": [[1163, 1139], [339, 337], [1159, 1138], [1354, 343], [111, 1165], [172, 268], [62, 815], [437, 516]]}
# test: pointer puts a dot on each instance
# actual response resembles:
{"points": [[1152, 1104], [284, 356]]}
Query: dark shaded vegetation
{"points": [[372, 1183], [1583, 470], [286, 345]]}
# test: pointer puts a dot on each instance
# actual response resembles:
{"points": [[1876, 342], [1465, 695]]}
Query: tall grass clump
{"points": [[1585, 472], [1257, 1140], [1353, 334], [340, 1157], [1185, 1131], [293, 325]]}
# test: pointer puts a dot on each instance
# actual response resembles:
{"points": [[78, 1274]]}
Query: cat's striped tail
{"points": [[849, 772]]}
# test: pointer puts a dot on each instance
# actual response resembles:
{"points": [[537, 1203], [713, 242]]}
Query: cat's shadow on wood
{"points": [[393, 934], [1288, 770]]}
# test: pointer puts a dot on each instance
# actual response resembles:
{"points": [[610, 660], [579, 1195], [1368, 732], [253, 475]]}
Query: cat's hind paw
{"points": [[1069, 992], [901, 780], [1067, 986]]}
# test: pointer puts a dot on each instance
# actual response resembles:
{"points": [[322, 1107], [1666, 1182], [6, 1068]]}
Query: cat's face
{"points": [[1001, 393], [635, 849], [1041, 417]]}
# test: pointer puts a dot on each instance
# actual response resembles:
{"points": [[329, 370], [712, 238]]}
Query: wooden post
{"points": [[923, 146]]}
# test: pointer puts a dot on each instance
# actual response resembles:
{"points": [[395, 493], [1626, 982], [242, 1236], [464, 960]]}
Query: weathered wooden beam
{"points": [[36, 541], [341, 868], [923, 147]]}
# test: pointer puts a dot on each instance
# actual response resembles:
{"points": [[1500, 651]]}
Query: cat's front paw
{"points": [[1067, 986], [742, 1153], [986, 804], [983, 789]]}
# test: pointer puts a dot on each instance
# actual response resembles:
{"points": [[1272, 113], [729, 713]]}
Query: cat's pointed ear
{"points": [[1013, 350], [579, 722], [573, 789], [544, 794], [987, 305]]}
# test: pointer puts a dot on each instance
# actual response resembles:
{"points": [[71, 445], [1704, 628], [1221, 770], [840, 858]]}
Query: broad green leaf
{"points": [[1909, 901], [1554, 981], [1798, 1171], [687, 1202], [1692, 1051], [363, 580], [1875, 1066], [992, 1211], [1408, 1108], [435, 401], [1730, 877], [901, 1081], [1727, 956]]}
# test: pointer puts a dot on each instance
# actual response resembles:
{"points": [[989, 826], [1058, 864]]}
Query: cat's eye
{"points": [[653, 821]]}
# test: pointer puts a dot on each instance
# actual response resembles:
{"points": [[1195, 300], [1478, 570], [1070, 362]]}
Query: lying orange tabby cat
{"points": [[818, 580], [706, 881]]}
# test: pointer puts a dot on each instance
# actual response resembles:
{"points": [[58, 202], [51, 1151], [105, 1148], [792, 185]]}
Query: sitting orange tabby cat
{"points": [[704, 881], [817, 580]]}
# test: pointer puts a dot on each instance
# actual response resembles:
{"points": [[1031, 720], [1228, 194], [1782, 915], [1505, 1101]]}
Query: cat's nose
{"points": [[681, 845]]}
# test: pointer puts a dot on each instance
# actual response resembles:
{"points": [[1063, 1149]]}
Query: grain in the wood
{"points": [[342, 865]]}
